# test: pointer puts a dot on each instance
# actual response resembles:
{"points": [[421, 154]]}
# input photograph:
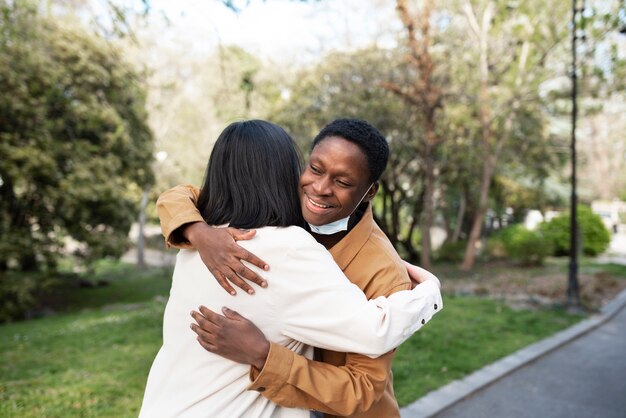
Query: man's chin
{"points": [[314, 220]]}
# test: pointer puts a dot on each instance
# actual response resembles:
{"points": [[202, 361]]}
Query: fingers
{"points": [[206, 330], [239, 282], [237, 271], [250, 275], [203, 335], [222, 280], [211, 316], [225, 279], [253, 259], [206, 345], [241, 234], [230, 314]]}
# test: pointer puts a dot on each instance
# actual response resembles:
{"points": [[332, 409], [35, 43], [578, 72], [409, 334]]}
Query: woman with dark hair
{"points": [[252, 182], [252, 178]]}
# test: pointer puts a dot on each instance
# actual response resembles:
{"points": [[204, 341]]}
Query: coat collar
{"points": [[346, 250]]}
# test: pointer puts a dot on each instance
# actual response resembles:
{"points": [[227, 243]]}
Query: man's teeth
{"points": [[318, 205]]}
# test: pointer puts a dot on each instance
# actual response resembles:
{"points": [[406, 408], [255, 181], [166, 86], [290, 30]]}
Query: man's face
{"points": [[334, 181]]}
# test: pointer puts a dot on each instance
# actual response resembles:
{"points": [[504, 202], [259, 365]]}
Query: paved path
{"points": [[585, 378]]}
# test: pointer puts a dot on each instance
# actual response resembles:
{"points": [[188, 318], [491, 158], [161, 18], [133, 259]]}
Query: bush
{"points": [[19, 294], [523, 245], [595, 237], [451, 252], [495, 247]]}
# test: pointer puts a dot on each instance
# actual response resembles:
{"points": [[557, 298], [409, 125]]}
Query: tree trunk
{"points": [[477, 224], [459, 218], [427, 212], [395, 218], [141, 239], [482, 32], [408, 244]]}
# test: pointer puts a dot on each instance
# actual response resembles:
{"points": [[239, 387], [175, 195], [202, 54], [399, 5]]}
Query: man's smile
{"points": [[317, 206]]}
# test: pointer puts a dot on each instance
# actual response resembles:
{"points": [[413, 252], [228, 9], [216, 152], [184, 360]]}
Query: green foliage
{"points": [[526, 246], [451, 252], [17, 293], [75, 149], [594, 235], [495, 248], [29, 294]]}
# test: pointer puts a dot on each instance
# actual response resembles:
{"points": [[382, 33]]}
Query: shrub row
{"points": [[532, 247]]}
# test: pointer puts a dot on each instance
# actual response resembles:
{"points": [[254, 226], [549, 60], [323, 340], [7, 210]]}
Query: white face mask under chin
{"points": [[331, 228], [338, 225]]}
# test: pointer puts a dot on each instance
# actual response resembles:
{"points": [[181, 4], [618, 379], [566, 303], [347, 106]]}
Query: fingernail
{"points": [[251, 291], [244, 230], [266, 267], [263, 284], [233, 293], [225, 309]]}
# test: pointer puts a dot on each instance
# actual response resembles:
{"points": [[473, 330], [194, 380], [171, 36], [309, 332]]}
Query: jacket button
{"points": [[261, 389], [435, 306], [423, 321]]}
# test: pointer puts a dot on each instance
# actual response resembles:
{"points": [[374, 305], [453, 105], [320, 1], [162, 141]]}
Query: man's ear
{"points": [[372, 192]]}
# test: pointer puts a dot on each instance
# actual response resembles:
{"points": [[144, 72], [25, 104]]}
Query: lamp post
{"points": [[573, 296]]}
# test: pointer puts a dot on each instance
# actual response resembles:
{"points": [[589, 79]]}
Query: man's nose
{"points": [[321, 186]]}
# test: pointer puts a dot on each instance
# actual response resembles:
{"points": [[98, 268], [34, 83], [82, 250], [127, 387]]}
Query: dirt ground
{"points": [[534, 287]]}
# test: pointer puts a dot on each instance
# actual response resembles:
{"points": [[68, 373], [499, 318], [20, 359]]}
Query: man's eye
{"points": [[315, 169], [343, 183]]}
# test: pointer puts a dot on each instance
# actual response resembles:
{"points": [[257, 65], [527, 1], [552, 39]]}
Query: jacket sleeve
{"points": [[293, 381], [332, 313], [177, 207]]}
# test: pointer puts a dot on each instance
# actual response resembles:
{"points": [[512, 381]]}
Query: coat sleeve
{"points": [[177, 207], [322, 308], [293, 381]]}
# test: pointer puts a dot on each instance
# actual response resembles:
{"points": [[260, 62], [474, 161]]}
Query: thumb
{"points": [[230, 314], [241, 234]]}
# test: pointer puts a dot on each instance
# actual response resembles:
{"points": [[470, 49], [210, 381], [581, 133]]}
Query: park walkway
{"points": [[583, 379], [578, 373]]}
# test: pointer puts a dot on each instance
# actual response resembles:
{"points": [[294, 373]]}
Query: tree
{"points": [[513, 44], [75, 149], [601, 99], [427, 98]]}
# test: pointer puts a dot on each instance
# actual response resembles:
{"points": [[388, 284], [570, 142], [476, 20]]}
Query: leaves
{"points": [[74, 140]]}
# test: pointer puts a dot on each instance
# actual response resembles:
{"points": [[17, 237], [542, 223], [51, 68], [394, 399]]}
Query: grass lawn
{"points": [[88, 362]]}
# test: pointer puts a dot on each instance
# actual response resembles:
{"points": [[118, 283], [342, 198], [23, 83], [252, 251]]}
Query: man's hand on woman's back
{"points": [[223, 257], [231, 336]]}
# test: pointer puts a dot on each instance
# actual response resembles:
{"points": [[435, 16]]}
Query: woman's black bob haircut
{"points": [[252, 178]]}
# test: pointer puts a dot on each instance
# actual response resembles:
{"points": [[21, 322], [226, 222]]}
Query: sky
{"points": [[280, 30]]}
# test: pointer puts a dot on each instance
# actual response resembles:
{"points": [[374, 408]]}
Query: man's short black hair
{"points": [[252, 178], [365, 136]]}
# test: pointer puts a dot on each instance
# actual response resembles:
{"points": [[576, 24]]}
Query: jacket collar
{"points": [[346, 250]]}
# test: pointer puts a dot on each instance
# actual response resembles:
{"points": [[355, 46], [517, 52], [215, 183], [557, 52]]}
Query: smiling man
{"points": [[347, 159], [341, 174]]}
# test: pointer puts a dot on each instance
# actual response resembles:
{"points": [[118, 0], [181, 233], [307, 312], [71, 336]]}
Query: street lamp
{"points": [[573, 295]]}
